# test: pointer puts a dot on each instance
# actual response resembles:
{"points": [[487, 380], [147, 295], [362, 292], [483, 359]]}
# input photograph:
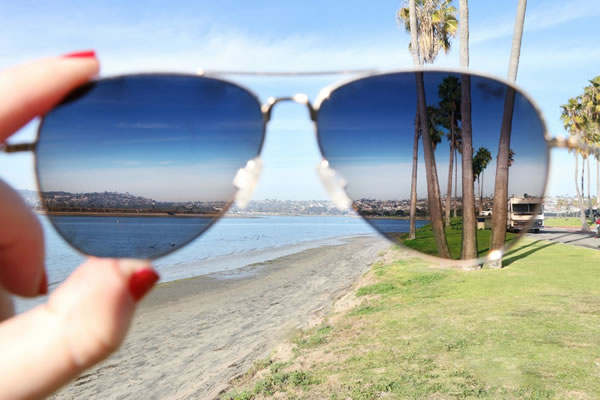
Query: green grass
{"points": [[314, 338], [425, 241], [565, 222], [530, 330], [274, 383]]}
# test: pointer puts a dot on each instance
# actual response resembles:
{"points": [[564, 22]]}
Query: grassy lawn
{"points": [[425, 241], [530, 330], [565, 222]]}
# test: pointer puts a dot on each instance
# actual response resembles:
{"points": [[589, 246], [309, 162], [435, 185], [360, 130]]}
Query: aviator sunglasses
{"points": [[150, 148]]}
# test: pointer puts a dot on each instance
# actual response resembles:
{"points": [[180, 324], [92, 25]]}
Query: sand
{"points": [[191, 337]]}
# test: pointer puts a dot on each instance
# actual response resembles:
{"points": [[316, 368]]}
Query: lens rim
{"points": [[326, 92], [88, 85]]}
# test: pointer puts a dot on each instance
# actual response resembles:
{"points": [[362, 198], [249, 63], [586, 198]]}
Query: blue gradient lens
{"points": [[137, 166], [367, 128]]}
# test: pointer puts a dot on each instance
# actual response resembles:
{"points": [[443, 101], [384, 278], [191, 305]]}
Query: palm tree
{"points": [[573, 119], [457, 150], [500, 207], [589, 187], [591, 109], [437, 122], [480, 162], [511, 157], [436, 24], [469, 236], [431, 24], [449, 94], [561, 204], [433, 187], [414, 50]]}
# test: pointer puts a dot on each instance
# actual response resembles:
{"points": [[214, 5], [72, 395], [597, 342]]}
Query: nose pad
{"points": [[245, 181], [335, 185]]}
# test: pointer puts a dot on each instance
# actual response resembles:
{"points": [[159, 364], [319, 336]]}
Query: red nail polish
{"points": [[81, 54], [43, 285], [141, 282]]}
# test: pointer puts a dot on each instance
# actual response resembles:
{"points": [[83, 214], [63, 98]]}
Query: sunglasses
{"points": [[139, 165]]}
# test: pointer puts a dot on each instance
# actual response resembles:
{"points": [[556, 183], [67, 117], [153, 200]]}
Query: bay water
{"points": [[229, 244]]}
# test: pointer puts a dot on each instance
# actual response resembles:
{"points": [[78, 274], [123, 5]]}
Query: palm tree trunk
{"points": [[414, 51], [469, 238], [584, 224], [414, 42], [500, 207], [589, 186], [413, 183], [463, 6], [433, 187], [499, 212], [598, 184], [450, 168], [455, 182], [481, 194], [582, 177], [515, 51]]}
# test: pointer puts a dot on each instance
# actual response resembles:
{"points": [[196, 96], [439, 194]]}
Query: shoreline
{"points": [[174, 270], [192, 336], [211, 216], [230, 263], [124, 214]]}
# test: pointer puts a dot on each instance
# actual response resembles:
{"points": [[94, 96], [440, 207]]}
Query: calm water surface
{"points": [[231, 243]]}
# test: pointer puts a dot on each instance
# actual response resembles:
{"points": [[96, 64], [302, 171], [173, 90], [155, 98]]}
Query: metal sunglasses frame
{"points": [[572, 142]]}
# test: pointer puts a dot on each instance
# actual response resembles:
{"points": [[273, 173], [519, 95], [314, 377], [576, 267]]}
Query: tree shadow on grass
{"points": [[512, 257]]}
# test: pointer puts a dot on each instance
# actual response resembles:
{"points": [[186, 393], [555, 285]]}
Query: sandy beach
{"points": [[191, 337]]}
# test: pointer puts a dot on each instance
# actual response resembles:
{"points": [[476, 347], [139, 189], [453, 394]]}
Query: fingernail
{"points": [[141, 282], [43, 285], [81, 54]]}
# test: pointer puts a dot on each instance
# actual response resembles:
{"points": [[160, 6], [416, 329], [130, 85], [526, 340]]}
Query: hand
{"points": [[87, 317]]}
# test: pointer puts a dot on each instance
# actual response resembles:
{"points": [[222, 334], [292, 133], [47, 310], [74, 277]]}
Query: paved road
{"points": [[569, 236]]}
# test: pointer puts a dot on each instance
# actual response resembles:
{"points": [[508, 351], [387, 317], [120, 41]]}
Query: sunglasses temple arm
{"points": [[574, 143], [16, 148]]}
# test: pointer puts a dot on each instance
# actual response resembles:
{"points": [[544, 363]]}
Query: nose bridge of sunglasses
{"points": [[299, 98], [335, 185], [245, 181]]}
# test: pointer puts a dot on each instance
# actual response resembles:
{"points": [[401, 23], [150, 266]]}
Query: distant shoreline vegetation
{"points": [[126, 204], [115, 203]]}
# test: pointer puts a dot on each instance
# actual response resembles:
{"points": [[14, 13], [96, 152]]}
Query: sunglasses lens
{"points": [[367, 130], [138, 166]]}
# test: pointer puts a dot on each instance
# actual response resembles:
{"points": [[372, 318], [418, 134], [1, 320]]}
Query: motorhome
{"points": [[521, 210]]}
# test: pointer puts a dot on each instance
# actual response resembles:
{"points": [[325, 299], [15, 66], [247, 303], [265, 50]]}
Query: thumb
{"points": [[84, 321]]}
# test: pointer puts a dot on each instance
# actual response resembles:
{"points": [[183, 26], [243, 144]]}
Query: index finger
{"points": [[27, 91], [33, 89]]}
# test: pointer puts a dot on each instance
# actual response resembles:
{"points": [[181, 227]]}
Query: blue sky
{"points": [[368, 139], [164, 139], [559, 54]]}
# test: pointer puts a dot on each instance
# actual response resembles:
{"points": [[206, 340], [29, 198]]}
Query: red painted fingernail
{"points": [[141, 282], [81, 54], [43, 285]]}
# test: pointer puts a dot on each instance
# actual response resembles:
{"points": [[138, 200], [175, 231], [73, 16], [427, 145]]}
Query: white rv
{"points": [[522, 210]]}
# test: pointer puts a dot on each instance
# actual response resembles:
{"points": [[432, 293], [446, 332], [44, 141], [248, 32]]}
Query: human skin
{"points": [[87, 317]]}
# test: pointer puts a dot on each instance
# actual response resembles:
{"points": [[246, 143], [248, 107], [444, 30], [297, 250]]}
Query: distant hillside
{"points": [[60, 201]]}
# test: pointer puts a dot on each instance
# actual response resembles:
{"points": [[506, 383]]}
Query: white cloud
{"points": [[545, 16]]}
